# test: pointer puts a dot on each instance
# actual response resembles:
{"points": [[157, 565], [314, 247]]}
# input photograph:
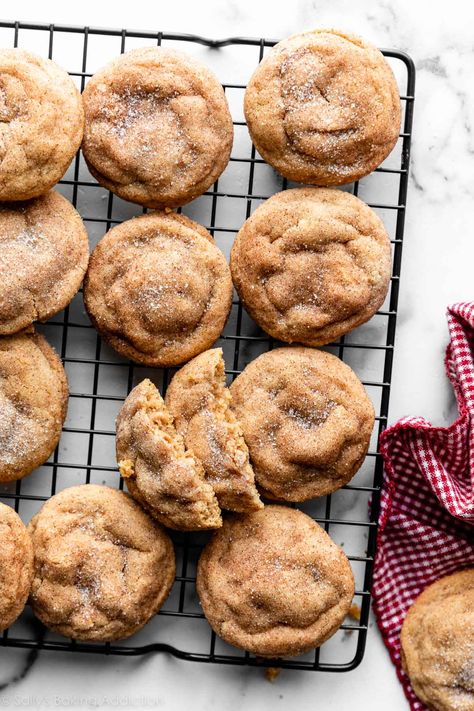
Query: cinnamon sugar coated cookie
{"points": [[33, 403], [199, 401], [323, 108], [41, 124], [273, 583], [158, 128], [160, 474], [103, 568], [311, 264], [44, 250], [437, 643], [158, 289], [16, 566], [306, 419]]}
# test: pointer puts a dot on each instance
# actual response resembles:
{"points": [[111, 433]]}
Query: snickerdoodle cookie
{"points": [[323, 108], [16, 566], [200, 404], [103, 568], [438, 643], [165, 478], [158, 289], [44, 252], [306, 419], [158, 128], [311, 264], [41, 124], [33, 403], [273, 583]]}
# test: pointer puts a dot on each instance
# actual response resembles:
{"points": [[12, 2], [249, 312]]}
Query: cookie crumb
{"points": [[126, 468], [272, 673], [354, 612]]}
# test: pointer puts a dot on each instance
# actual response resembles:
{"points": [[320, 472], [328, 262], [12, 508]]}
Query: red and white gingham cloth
{"points": [[426, 524]]}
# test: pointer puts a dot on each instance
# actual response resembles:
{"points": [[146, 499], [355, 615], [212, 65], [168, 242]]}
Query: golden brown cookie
{"points": [[165, 478], [16, 566], [44, 250], [199, 401], [311, 264], [158, 289], [438, 643], [306, 419], [41, 124], [103, 568], [33, 403], [158, 128], [273, 583], [323, 108]]}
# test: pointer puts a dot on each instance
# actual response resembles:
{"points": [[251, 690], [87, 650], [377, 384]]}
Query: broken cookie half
{"points": [[161, 474], [200, 404]]}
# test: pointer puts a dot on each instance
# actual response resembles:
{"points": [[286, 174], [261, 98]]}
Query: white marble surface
{"points": [[437, 265]]}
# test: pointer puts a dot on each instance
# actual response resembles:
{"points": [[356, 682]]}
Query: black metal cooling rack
{"points": [[81, 349]]}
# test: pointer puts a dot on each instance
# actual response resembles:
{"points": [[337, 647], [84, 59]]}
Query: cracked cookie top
{"points": [[437, 643], [41, 124], [44, 251], [323, 108], [33, 403], [306, 419], [158, 289], [102, 567], [16, 566], [158, 128], [273, 583], [311, 264], [164, 476], [199, 401]]}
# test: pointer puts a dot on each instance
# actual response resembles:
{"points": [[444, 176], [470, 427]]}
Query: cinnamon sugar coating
{"points": [[158, 289], [41, 124], [33, 403], [102, 568], [161, 474], [311, 264], [323, 108], [306, 419], [437, 643], [199, 401], [16, 566], [273, 583], [44, 251], [158, 128]]}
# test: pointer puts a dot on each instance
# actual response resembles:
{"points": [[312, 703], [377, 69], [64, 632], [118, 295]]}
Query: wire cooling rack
{"points": [[100, 380]]}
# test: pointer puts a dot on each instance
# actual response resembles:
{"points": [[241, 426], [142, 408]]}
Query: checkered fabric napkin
{"points": [[426, 524]]}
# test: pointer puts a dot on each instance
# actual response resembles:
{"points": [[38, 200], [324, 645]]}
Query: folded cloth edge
{"points": [[464, 311]]}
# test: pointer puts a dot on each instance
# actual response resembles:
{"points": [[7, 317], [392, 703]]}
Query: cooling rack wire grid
{"points": [[99, 379]]}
